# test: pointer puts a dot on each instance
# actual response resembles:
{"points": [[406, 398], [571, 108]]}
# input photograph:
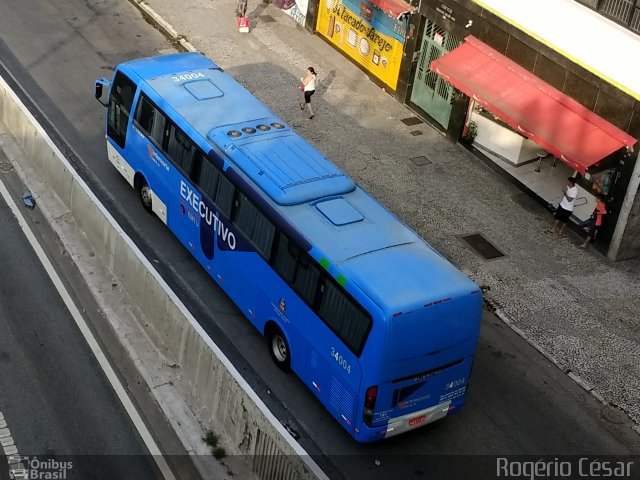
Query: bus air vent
{"points": [[234, 133], [249, 130], [263, 128], [277, 125]]}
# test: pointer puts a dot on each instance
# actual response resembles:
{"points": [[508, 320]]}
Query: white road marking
{"points": [[90, 339], [8, 445]]}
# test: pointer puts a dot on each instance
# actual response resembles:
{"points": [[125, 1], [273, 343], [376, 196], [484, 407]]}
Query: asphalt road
{"points": [[519, 403], [55, 398]]}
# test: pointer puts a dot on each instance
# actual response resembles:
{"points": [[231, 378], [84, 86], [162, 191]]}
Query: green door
{"points": [[430, 92]]}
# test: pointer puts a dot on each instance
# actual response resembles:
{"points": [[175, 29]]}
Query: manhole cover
{"points": [[415, 133], [411, 121], [267, 18], [481, 246], [419, 161], [5, 167]]}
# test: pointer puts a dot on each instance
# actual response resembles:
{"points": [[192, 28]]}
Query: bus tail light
{"points": [[370, 397], [369, 404]]}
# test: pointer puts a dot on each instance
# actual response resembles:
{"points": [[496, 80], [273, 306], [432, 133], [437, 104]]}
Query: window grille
{"points": [[625, 12], [618, 9]]}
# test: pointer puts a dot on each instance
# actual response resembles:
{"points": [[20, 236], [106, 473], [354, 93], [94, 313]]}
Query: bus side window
{"points": [[152, 121], [253, 224], [342, 315], [284, 260], [180, 149], [145, 115], [224, 196], [120, 104], [263, 234], [208, 179], [307, 279]]}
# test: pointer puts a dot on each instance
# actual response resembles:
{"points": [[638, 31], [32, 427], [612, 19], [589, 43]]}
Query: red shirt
{"points": [[600, 210]]}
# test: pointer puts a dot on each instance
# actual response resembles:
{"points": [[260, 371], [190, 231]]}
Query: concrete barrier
{"points": [[224, 395]]}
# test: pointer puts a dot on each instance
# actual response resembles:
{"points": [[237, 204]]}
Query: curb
{"points": [[586, 386], [178, 41]]}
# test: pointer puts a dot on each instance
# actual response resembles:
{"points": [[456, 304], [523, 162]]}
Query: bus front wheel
{"points": [[279, 348], [145, 194]]}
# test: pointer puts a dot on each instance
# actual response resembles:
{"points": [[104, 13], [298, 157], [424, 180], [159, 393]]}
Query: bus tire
{"points": [[279, 348], [144, 194]]}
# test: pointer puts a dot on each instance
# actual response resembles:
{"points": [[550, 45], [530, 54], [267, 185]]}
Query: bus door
{"points": [[118, 115], [147, 150]]}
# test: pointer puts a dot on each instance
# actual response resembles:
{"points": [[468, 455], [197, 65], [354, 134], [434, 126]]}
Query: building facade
{"points": [[600, 110]]}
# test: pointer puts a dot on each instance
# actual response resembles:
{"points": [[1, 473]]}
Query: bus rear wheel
{"points": [[279, 348], [145, 194]]}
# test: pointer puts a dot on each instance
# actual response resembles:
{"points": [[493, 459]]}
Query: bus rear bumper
{"points": [[418, 419]]}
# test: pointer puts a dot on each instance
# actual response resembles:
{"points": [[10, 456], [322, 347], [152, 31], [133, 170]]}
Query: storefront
{"points": [[371, 33], [564, 120], [532, 130]]}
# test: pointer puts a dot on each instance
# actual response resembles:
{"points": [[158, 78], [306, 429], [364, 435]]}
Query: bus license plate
{"points": [[417, 420]]}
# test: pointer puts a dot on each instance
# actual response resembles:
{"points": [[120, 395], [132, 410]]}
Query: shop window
{"points": [[625, 12], [618, 9]]}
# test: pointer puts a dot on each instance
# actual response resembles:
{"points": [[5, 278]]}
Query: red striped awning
{"points": [[556, 122], [394, 8]]}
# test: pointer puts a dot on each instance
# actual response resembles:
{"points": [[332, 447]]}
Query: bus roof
{"points": [[289, 170], [370, 246], [373, 249]]}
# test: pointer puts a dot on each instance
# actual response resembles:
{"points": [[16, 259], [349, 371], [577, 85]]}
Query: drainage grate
{"points": [[415, 133], [419, 161], [411, 121], [267, 18], [481, 246]]}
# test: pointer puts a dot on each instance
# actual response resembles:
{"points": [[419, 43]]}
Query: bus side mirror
{"points": [[100, 83]]}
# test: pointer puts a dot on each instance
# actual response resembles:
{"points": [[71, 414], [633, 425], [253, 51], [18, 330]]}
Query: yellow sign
{"points": [[378, 53]]}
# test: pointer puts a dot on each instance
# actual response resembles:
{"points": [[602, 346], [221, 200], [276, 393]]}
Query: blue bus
{"points": [[379, 326]]}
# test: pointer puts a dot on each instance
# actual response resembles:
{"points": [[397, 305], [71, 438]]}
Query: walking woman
{"points": [[308, 87]]}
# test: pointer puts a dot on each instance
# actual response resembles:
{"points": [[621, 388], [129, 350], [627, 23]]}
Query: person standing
{"points": [[564, 210], [308, 88], [593, 224]]}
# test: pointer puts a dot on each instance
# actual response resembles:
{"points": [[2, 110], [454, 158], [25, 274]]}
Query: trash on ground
{"points": [[28, 200]]}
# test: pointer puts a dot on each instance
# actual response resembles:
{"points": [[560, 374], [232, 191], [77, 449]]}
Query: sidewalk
{"points": [[580, 309]]}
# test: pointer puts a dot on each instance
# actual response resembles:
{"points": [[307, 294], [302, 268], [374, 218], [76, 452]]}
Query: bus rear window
{"points": [[400, 395]]}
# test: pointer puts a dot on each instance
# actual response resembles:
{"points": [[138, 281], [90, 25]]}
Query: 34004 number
{"points": [[187, 76], [340, 360]]}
